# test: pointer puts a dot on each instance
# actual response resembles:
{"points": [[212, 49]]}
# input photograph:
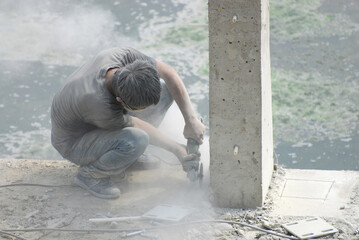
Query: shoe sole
{"points": [[82, 185]]}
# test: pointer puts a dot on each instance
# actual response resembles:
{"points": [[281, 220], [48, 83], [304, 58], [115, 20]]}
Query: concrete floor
{"points": [[295, 193], [57, 207]]}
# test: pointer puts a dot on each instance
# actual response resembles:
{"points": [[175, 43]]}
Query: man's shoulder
{"points": [[115, 50], [120, 51]]}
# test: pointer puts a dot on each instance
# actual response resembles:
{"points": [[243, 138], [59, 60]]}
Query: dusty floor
{"points": [[69, 207]]}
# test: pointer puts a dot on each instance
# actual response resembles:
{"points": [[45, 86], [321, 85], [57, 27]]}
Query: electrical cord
{"points": [[151, 228], [35, 185], [11, 235]]}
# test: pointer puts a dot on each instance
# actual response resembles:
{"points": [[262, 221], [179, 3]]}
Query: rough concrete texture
{"points": [[240, 102], [53, 209]]}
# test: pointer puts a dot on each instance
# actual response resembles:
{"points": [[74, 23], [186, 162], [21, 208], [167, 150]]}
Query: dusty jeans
{"points": [[102, 153]]}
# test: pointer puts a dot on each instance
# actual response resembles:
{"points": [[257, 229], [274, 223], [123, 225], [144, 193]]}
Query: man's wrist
{"points": [[190, 119], [178, 151]]}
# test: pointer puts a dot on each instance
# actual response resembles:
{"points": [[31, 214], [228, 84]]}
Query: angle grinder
{"points": [[193, 168]]}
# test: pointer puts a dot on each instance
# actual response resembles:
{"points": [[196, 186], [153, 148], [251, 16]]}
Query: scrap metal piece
{"points": [[114, 219], [135, 233], [310, 228], [162, 212], [167, 213]]}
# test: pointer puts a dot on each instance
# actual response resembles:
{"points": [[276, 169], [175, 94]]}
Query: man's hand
{"points": [[189, 165], [188, 161], [195, 130]]}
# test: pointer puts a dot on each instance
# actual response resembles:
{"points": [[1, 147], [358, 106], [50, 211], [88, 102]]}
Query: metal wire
{"points": [[34, 185], [151, 228], [11, 235]]}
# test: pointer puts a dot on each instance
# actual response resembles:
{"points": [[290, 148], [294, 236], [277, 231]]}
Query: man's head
{"points": [[137, 85]]}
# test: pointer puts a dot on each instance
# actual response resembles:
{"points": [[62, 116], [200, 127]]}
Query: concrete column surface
{"points": [[241, 139]]}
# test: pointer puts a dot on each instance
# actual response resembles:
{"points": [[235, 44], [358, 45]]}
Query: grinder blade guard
{"points": [[196, 170]]}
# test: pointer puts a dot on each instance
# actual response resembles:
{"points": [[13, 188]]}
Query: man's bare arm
{"points": [[159, 139], [193, 126]]}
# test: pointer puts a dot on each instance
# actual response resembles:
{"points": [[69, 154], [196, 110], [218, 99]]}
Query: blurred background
{"points": [[314, 59]]}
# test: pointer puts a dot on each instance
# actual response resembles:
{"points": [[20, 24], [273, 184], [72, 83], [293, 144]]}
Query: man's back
{"points": [[85, 103]]}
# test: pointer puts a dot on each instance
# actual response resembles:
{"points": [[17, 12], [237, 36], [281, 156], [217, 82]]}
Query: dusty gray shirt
{"points": [[85, 104]]}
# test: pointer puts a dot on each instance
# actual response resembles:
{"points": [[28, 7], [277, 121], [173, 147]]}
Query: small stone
{"points": [[56, 234], [31, 214], [218, 233], [228, 216], [113, 224], [240, 232], [15, 197], [195, 232], [268, 225], [259, 235], [10, 210], [251, 221], [224, 227], [250, 215]]}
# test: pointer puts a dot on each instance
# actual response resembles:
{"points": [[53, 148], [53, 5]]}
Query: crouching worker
{"points": [[106, 114]]}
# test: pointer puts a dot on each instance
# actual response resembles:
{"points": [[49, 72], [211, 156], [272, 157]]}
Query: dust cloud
{"points": [[54, 32]]}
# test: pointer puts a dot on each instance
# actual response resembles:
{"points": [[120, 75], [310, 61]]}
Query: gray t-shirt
{"points": [[85, 104]]}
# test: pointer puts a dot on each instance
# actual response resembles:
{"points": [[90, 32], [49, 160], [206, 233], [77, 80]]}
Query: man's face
{"points": [[127, 107]]}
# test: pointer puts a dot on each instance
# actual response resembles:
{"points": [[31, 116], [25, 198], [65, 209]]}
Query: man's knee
{"points": [[131, 144], [137, 138]]}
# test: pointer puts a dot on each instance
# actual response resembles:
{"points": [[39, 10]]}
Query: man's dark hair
{"points": [[137, 84]]}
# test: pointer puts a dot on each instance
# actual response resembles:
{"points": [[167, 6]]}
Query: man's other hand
{"points": [[189, 165]]}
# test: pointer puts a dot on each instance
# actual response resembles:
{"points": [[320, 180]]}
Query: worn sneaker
{"points": [[99, 187]]}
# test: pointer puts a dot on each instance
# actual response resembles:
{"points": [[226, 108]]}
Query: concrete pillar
{"points": [[241, 139]]}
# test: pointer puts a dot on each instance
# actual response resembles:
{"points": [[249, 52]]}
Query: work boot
{"points": [[119, 178], [146, 161], [99, 187]]}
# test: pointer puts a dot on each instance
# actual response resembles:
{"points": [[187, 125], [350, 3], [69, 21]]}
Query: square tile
{"points": [[310, 228], [167, 212], [318, 193], [299, 188]]}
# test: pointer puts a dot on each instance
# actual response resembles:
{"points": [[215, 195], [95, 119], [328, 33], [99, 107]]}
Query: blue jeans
{"points": [[102, 153]]}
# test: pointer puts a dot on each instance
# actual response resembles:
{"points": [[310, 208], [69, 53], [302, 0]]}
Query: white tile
{"points": [[298, 188]]}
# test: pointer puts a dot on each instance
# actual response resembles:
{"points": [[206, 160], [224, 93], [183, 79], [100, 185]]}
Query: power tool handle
{"points": [[192, 146]]}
